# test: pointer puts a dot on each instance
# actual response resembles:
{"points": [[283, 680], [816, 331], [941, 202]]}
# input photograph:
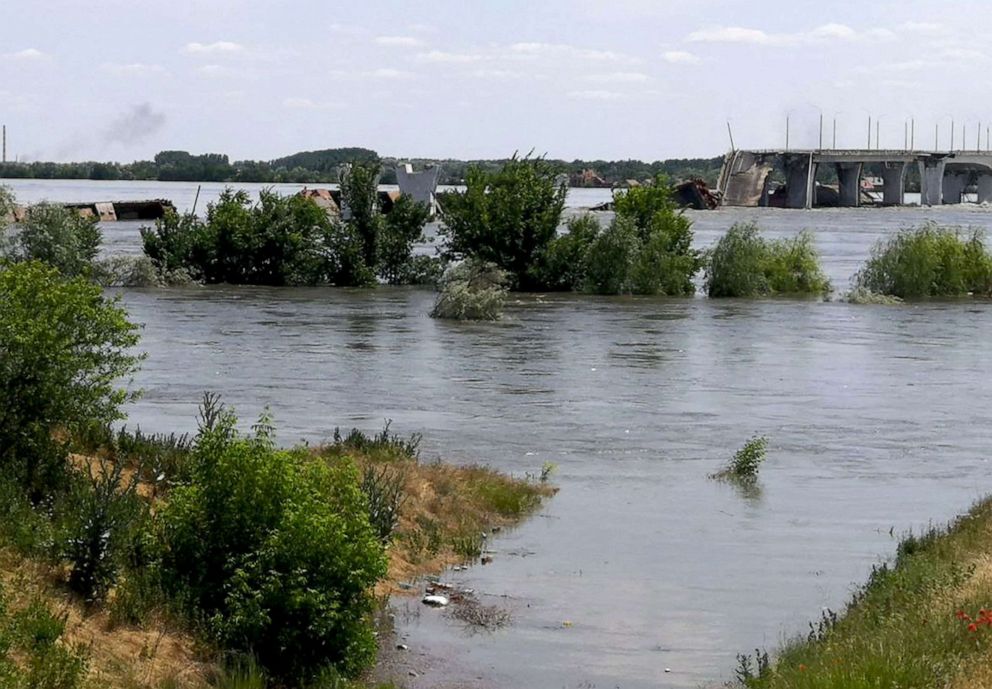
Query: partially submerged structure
{"points": [[420, 186], [112, 211], [747, 176]]}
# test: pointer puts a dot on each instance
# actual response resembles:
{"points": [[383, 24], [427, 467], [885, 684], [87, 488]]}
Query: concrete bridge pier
{"points": [[931, 182], [849, 184], [985, 187], [800, 171], [894, 184], [953, 186]]}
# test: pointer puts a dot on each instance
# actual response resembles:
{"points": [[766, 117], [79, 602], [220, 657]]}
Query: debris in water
{"points": [[435, 601]]}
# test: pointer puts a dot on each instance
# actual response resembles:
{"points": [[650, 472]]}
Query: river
{"points": [[876, 419]]}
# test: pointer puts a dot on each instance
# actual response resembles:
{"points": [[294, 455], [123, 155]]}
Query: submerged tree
{"points": [[507, 217]]}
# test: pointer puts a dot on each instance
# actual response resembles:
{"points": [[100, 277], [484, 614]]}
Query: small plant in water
{"points": [[744, 465]]}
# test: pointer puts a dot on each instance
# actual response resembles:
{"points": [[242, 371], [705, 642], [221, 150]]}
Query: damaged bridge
{"points": [[747, 177]]}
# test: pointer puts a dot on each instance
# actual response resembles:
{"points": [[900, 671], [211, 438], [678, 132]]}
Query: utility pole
{"points": [[787, 133], [821, 131], [733, 149], [964, 136], [835, 134], [905, 136], [936, 137], [4, 143], [878, 138], [952, 135], [912, 134], [869, 132]]}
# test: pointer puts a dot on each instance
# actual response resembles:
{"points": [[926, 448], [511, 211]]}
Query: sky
{"points": [[592, 79]]}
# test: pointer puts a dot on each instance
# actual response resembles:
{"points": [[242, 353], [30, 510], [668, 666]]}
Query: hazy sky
{"points": [[648, 79]]}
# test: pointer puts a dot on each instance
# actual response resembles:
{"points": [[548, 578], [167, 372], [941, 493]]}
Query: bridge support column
{"points": [[985, 187], [931, 182], [800, 170], [953, 186], [894, 181], [849, 184]]}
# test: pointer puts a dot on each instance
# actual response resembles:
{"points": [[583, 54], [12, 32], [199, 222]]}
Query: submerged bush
{"points": [[58, 236], [744, 264], [929, 261], [64, 349], [471, 291], [610, 259], [507, 217], [746, 461], [562, 266], [290, 240], [287, 570], [647, 249]]}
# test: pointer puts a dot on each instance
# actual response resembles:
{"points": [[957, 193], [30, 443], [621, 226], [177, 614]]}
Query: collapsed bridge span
{"points": [[788, 178]]}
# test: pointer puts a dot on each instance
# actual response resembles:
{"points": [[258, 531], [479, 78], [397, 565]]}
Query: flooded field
{"points": [[875, 415]]}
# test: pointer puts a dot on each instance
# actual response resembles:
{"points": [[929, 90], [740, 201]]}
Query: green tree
{"points": [[507, 217], [64, 349], [562, 266]]}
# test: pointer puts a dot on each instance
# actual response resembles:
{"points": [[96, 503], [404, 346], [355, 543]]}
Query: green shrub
{"points": [[471, 291], [104, 511], [126, 271], [506, 217], [383, 446], [8, 202], [64, 348], [744, 264], [647, 249], [929, 261], [611, 256], [33, 654], [400, 229], [58, 236], [746, 461], [384, 487], [562, 266], [287, 569], [360, 201]]}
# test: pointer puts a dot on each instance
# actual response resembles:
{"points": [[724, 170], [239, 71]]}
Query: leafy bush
{"points": [[506, 217], [401, 228], [105, 509], [929, 261], [471, 291], [290, 240], [63, 348], [744, 264], [126, 271], [8, 202], [647, 249], [611, 258], [745, 463], [291, 556], [562, 266], [33, 653], [360, 201], [58, 236]]}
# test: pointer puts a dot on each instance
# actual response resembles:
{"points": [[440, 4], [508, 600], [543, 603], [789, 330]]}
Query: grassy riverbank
{"points": [[922, 622], [443, 512]]}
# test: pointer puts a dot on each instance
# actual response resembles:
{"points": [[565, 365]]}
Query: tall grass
{"points": [[918, 623], [929, 261], [745, 264]]}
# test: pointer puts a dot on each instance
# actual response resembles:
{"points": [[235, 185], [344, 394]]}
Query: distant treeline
{"points": [[310, 167]]}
